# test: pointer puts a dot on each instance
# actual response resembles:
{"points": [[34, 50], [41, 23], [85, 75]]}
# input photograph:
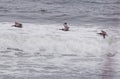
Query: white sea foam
{"points": [[45, 48], [35, 36]]}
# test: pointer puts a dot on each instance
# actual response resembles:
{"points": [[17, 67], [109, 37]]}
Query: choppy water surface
{"points": [[76, 12], [44, 52]]}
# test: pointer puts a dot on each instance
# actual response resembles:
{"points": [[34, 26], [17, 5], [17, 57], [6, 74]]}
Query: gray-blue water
{"points": [[48, 53], [76, 12]]}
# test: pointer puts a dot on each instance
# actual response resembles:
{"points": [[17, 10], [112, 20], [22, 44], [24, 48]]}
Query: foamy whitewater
{"points": [[39, 51]]}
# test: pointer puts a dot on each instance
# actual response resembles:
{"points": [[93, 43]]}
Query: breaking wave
{"points": [[44, 51]]}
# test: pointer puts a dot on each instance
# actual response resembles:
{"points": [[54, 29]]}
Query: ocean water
{"points": [[40, 50], [75, 12]]}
